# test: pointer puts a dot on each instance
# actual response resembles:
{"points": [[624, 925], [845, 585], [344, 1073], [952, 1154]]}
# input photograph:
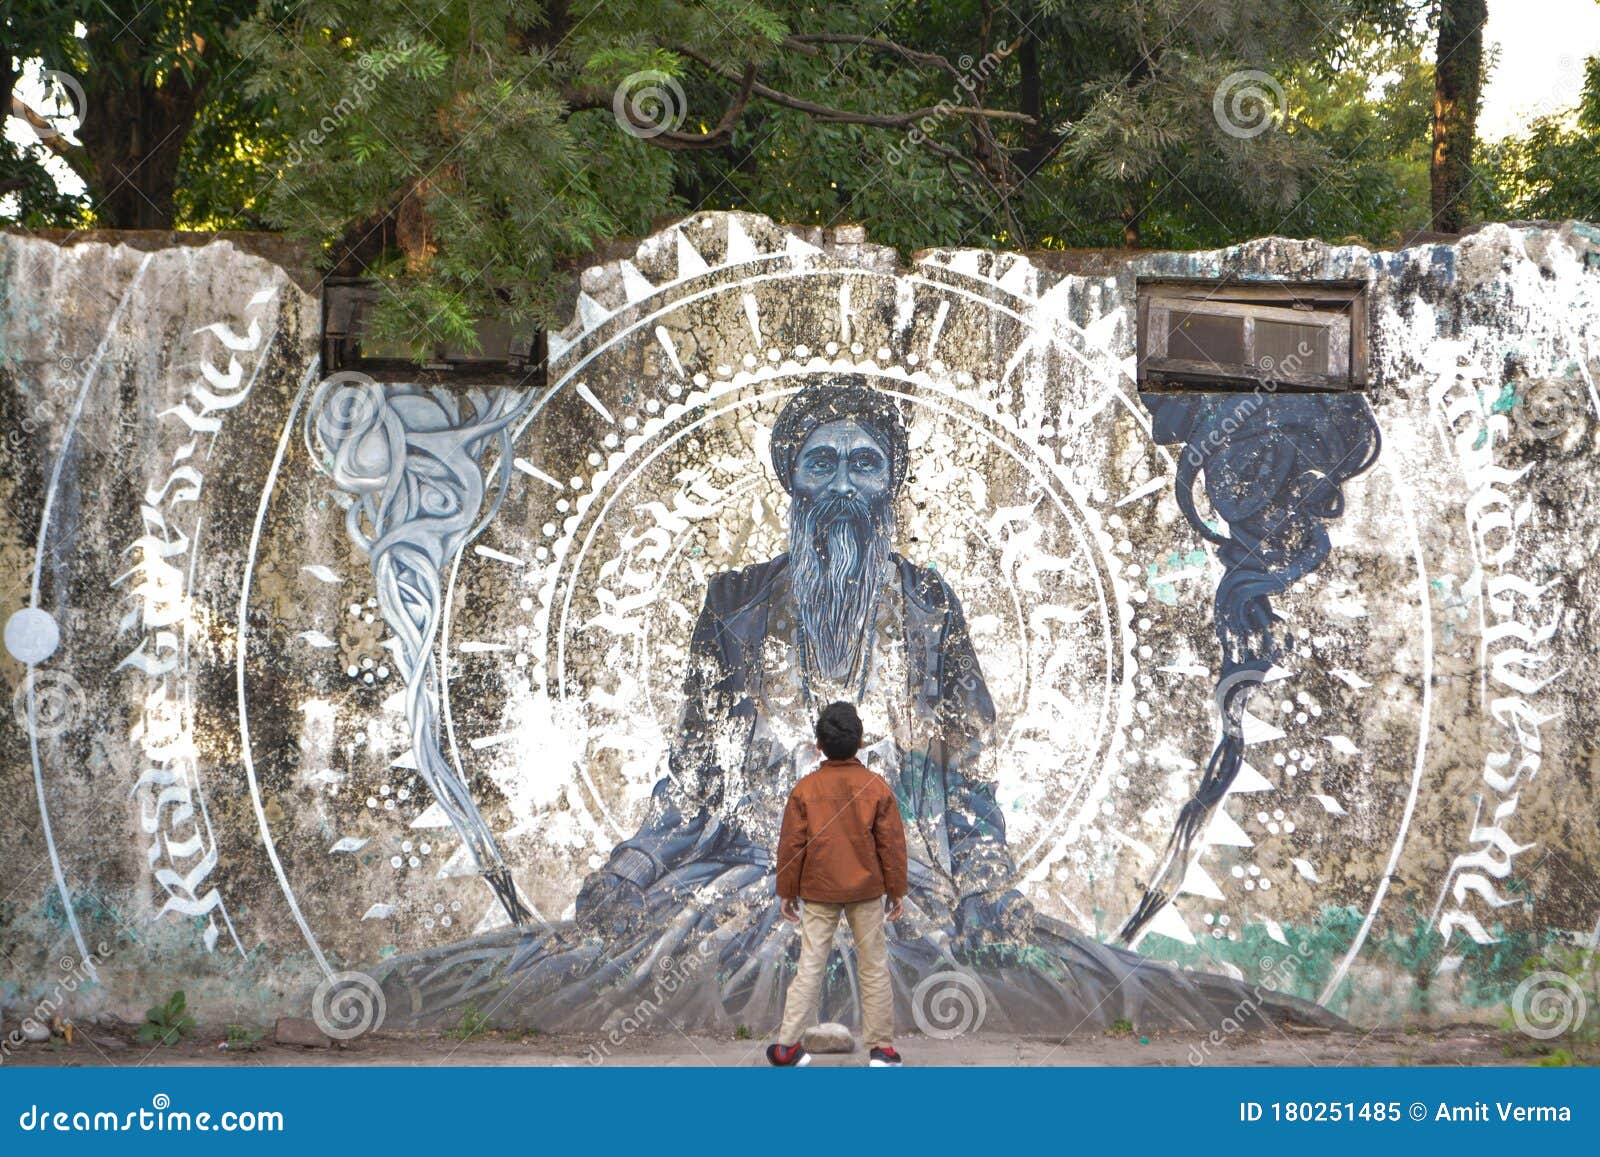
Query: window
{"points": [[1234, 335], [503, 357]]}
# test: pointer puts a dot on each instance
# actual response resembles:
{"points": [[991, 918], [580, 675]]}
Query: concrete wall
{"points": [[342, 695]]}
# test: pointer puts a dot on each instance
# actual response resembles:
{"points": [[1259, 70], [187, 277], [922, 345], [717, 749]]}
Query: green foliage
{"points": [[742, 1032], [481, 144], [166, 1023], [243, 1038], [150, 76], [473, 1023], [1557, 1058], [470, 155], [1579, 963], [1552, 171], [225, 163], [1122, 1026]]}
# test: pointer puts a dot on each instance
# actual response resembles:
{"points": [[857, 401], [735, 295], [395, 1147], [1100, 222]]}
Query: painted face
{"points": [[842, 459], [839, 530]]}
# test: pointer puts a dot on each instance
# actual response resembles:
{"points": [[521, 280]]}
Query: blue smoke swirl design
{"points": [[1273, 466]]}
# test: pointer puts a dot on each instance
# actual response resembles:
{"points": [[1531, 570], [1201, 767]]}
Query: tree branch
{"points": [[830, 115], [953, 156], [49, 136], [723, 133], [76, 157], [980, 120], [801, 42], [580, 99]]}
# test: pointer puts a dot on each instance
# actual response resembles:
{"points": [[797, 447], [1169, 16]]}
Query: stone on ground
{"points": [[828, 1038], [297, 1030]]}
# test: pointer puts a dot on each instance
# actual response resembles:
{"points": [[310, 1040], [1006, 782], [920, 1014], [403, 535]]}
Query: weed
{"points": [[166, 1024], [473, 1023], [243, 1038]]}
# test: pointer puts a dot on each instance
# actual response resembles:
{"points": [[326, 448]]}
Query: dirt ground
{"points": [[1451, 1045]]}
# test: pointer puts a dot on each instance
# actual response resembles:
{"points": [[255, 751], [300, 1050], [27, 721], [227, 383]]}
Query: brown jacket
{"points": [[842, 839]]}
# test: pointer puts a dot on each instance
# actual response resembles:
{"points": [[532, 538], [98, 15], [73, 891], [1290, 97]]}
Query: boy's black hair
{"points": [[839, 730]]}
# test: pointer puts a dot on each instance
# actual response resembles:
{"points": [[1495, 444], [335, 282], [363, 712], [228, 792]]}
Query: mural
{"points": [[413, 704], [838, 615]]}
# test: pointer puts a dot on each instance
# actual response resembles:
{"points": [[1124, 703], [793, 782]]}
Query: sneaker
{"points": [[788, 1056], [882, 1059]]}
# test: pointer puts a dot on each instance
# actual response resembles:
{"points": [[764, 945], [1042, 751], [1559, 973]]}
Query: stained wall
{"points": [[333, 687]]}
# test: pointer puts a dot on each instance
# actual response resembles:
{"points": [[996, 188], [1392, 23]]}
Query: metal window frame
{"points": [[345, 302], [1339, 305]]}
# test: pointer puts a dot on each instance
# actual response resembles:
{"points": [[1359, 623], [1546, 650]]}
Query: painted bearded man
{"points": [[839, 616]]}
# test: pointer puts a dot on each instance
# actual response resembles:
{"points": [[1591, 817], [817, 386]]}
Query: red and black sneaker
{"points": [[788, 1056], [885, 1058]]}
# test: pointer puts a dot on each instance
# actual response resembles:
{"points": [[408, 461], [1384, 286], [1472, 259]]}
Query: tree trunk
{"points": [[133, 134], [1035, 137], [1457, 84]]}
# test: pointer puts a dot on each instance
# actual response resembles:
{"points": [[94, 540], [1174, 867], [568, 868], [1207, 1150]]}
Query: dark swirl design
{"points": [[1273, 466]]}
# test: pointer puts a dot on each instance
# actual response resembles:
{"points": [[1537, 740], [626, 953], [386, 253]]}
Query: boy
{"points": [[843, 851]]}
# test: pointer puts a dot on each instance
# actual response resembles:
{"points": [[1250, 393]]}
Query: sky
{"points": [[1543, 44]]}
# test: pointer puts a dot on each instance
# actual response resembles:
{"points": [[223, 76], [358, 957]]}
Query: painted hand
{"points": [[989, 918]]}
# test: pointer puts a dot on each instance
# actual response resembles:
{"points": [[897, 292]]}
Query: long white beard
{"points": [[838, 549]]}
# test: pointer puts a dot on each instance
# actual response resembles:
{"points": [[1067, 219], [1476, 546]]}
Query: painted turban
{"points": [[846, 399]]}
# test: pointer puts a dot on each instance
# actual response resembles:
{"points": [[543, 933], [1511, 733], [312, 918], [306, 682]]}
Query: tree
{"points": [[465, 155], [24, 179], [462, 154], [1551, 171], [145, 74], [1457, 86]]}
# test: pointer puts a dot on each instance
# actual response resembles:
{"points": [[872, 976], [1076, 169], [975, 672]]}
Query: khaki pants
{"points": [[818, 921]]}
